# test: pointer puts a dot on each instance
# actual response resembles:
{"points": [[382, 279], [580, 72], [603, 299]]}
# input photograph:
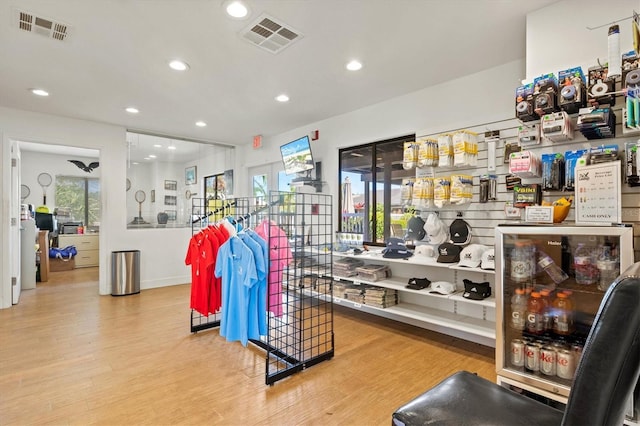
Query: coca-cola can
{"points": [[565, 364], [548, 361], [517, 353], [532, 357], [577, 353]]}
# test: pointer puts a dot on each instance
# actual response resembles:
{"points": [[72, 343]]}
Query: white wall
{"points": [[162, 251], [558, 38], [34, 163], [479, 98]]}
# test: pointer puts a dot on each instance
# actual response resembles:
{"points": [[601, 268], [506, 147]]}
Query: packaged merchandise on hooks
{"points": [[465, 148], [601, 86], [557, 127], [545, 94], [410, 155], [597, 123], [524, 164], [553, 170], [529, 134], [632, 163], [572, 89], [427, 152], [445, 150], [524, 103]]}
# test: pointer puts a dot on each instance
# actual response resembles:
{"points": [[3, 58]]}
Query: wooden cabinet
{"points": [[87, 245]]}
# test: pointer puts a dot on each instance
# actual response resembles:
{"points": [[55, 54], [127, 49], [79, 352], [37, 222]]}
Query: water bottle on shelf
{"points": [[585, 265], [608, 266], [523, 266], [546, 263], [518, 309]]}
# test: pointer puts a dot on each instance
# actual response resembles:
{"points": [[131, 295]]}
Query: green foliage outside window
{"points": [[81, 196]]}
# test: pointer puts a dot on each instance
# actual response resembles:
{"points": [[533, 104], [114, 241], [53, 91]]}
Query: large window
{"points": [[371, 182], [79, 197]]}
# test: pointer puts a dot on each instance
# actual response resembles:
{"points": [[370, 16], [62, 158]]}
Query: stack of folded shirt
{"points": [[373, 272], [354, 293], [339, 288], [346, 266], [380, 297]]}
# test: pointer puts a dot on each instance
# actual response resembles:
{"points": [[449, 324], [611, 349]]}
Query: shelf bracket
{"points": [[455, 307], [484, 313]]}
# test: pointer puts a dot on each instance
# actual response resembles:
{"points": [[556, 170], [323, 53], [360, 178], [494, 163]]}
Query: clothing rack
{"points": [[300, 325], [200, 218]]}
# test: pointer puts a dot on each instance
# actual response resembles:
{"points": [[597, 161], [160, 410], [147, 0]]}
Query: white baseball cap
{"points": [[436, 229], [442, 287], [488, 259], [424, 250], [471, 255]]}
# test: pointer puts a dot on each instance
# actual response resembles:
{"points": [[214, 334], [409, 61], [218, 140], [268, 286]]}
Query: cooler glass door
{"points": [[550, 281]]}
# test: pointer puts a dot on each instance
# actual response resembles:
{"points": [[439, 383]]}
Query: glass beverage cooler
{"points": [[550, 281]]}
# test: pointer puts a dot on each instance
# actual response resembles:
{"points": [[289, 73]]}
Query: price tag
{"points": [[357, 305], [356, 282], [336, 300]]}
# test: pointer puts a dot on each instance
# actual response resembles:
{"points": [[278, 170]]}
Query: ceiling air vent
{"points": [[46, 27], [270, 34]]}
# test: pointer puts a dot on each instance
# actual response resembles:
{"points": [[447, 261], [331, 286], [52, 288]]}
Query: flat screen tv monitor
{"points": [[296, 156], [45, 222]]}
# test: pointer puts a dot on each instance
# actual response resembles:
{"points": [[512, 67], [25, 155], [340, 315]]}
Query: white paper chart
{"points": [[598, 193]]}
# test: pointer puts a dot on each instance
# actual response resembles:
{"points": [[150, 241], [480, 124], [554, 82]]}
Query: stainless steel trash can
{"points": [[125, 272]]}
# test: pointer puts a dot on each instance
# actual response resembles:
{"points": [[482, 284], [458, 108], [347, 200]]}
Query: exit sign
{"points": [[257, 141]]}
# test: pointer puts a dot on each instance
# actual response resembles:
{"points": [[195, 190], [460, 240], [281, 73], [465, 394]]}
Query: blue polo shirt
{"points": [[257, 311]]}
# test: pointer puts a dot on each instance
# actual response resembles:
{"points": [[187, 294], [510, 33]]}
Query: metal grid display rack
{"points": [[300, 304]]}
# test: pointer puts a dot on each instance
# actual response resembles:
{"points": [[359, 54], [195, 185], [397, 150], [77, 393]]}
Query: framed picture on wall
{"points": [[210, 187], [170, 200], [190, 175], [171, 215], [170, 185]]}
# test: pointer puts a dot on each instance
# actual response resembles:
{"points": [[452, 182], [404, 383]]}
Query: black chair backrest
{"points": [[610, 365]]}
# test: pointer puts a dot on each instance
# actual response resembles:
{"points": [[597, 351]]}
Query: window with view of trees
{"points": [[371, 182], [82, 197]]}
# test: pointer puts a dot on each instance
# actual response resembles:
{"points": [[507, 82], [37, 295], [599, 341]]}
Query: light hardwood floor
{"points": [[70, 356]]}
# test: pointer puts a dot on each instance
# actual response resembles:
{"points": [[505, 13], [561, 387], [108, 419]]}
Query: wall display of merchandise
{"points": [[549, 287], [444, 285], [284, 242], [564, 104]]}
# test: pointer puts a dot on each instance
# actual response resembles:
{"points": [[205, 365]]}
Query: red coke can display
{"points": [[532, 357], [565, 364], [548, 361], [517, 352]]}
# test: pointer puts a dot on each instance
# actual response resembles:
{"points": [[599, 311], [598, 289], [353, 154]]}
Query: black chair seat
{"points": [[607, 373], [466, 399]]}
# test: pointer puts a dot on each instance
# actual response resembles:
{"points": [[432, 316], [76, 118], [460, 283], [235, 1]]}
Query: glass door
{"points": [[551, 280]]}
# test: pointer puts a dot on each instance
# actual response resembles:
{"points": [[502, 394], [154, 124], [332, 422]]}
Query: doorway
{"points": [[61, 189]]}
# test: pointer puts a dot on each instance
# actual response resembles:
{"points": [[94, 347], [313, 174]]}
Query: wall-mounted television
{"points": [[296, 156]]}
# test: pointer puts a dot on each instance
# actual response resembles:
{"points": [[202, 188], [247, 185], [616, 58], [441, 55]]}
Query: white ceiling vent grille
{"points": [[46, 27], [270, 34]]}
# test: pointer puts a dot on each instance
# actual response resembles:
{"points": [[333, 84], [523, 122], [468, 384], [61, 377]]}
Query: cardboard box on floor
{"points": [[58, 265]]}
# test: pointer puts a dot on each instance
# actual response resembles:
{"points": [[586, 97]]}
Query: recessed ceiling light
{"points": [[152, 156], [236, 9], [157, 145], [178, 65], [282, 98], [171, 146], [40, 92], [147, 158], [354, 66], [135, 163], [201, 124], [132, 110]]}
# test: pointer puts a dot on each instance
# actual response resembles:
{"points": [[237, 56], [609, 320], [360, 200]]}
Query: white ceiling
{"points": [[117, 54]]}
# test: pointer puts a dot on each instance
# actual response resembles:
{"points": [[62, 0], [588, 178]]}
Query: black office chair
{"points": [[605, 377]]}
